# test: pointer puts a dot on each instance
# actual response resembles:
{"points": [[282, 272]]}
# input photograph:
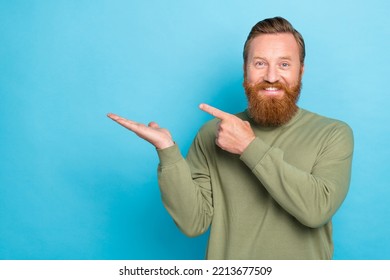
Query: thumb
{"points": [[153, 125]]}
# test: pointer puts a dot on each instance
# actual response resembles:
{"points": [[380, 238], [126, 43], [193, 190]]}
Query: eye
{"points": [[259, 64], [285, 64]]}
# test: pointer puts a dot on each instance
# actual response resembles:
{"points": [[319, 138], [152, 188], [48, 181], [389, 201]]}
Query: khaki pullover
{"points": [[275, 201]]}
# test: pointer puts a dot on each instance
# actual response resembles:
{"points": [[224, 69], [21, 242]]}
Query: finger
{"points": [[214, 111], [116, 117], [112, 116], [134, 126], [153, 125]]}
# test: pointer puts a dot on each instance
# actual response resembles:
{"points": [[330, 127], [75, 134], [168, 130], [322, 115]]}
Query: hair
{"points": [[273, 26]]}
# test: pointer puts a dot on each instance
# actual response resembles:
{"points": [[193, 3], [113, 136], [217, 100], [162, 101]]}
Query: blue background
{"points": [[75, 185]]}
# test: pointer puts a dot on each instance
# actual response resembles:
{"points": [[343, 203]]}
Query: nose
{"points": [[272, 74]]}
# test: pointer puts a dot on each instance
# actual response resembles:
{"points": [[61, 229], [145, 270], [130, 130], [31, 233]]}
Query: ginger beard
{"points": [[272, 110]]}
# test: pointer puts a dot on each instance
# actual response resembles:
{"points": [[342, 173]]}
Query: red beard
{"points": [[272, 111]]}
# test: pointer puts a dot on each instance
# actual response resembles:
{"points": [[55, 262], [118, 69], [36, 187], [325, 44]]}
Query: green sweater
{"points": [[275, 201]]}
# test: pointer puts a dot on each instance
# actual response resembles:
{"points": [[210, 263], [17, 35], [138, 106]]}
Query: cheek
{"points": [[294, 77], [291, 78], [253, 76]]}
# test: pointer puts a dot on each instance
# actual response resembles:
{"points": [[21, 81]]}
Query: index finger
{"points": [[214, 111]]}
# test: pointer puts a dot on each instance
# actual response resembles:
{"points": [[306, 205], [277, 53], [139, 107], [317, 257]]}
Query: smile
{"points": [[272, 91]]}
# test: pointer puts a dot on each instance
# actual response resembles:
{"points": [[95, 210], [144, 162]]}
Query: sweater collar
{"points": [[289, 123]]}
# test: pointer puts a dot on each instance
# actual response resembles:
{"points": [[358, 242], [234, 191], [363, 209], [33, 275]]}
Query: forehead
{"points": [[273, 46]]}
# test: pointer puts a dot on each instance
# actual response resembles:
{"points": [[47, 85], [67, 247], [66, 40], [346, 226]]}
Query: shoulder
{"points": [[315, 120], [330, 128]]}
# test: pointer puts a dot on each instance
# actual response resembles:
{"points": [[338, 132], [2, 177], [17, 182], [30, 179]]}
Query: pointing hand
{"points": [[233, 134]]}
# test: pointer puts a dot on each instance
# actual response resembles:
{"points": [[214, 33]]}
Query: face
{"points": [[273, 78], [273, 58]]}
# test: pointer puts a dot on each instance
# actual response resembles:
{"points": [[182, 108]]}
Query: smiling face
{"points": [[273, 58], [273, 72]]}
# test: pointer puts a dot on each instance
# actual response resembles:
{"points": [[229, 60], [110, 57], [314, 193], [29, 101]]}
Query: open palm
{"points": [[159, 137]]}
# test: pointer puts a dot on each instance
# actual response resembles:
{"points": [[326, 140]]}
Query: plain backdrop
{"points": [[75, 185]]}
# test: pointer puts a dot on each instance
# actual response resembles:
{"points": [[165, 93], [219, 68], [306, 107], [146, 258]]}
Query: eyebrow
{"points": [[281, 57]]}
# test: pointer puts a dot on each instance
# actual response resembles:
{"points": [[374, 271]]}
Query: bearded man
{"points": [[266, 181]]}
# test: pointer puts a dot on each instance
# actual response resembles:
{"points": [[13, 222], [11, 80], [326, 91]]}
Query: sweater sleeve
{"points": [[311, 197], [185, 188]]}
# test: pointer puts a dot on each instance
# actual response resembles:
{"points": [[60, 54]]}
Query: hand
{"points": [[233, 134], [159, 137]]}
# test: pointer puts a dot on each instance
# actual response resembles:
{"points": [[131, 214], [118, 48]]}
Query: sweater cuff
{"points": [[169, 155], [254, 153]]}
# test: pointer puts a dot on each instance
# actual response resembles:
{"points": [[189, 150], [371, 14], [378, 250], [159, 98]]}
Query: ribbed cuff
{"points": [[254, 153], [169, 155]]}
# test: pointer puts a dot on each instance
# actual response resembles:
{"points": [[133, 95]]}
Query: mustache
{"points": [[264, 84]]}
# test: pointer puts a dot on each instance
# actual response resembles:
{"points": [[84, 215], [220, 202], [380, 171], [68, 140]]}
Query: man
{"points": [[266, 181]]}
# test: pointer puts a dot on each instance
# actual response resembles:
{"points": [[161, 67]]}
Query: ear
{"points": [[302, 69]]}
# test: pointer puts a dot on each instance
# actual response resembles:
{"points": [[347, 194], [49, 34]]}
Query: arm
{"points": [[311, 197], [185, 189]]}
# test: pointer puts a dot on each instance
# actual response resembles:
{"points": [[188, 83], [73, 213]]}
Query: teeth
{"points": [[271, 88]]}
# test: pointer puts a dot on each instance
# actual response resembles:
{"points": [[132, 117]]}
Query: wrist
{"points": [[164, 145], [247, 143]]}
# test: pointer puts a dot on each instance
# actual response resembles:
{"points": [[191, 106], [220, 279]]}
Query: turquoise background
{"points": [[74, 185]]}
